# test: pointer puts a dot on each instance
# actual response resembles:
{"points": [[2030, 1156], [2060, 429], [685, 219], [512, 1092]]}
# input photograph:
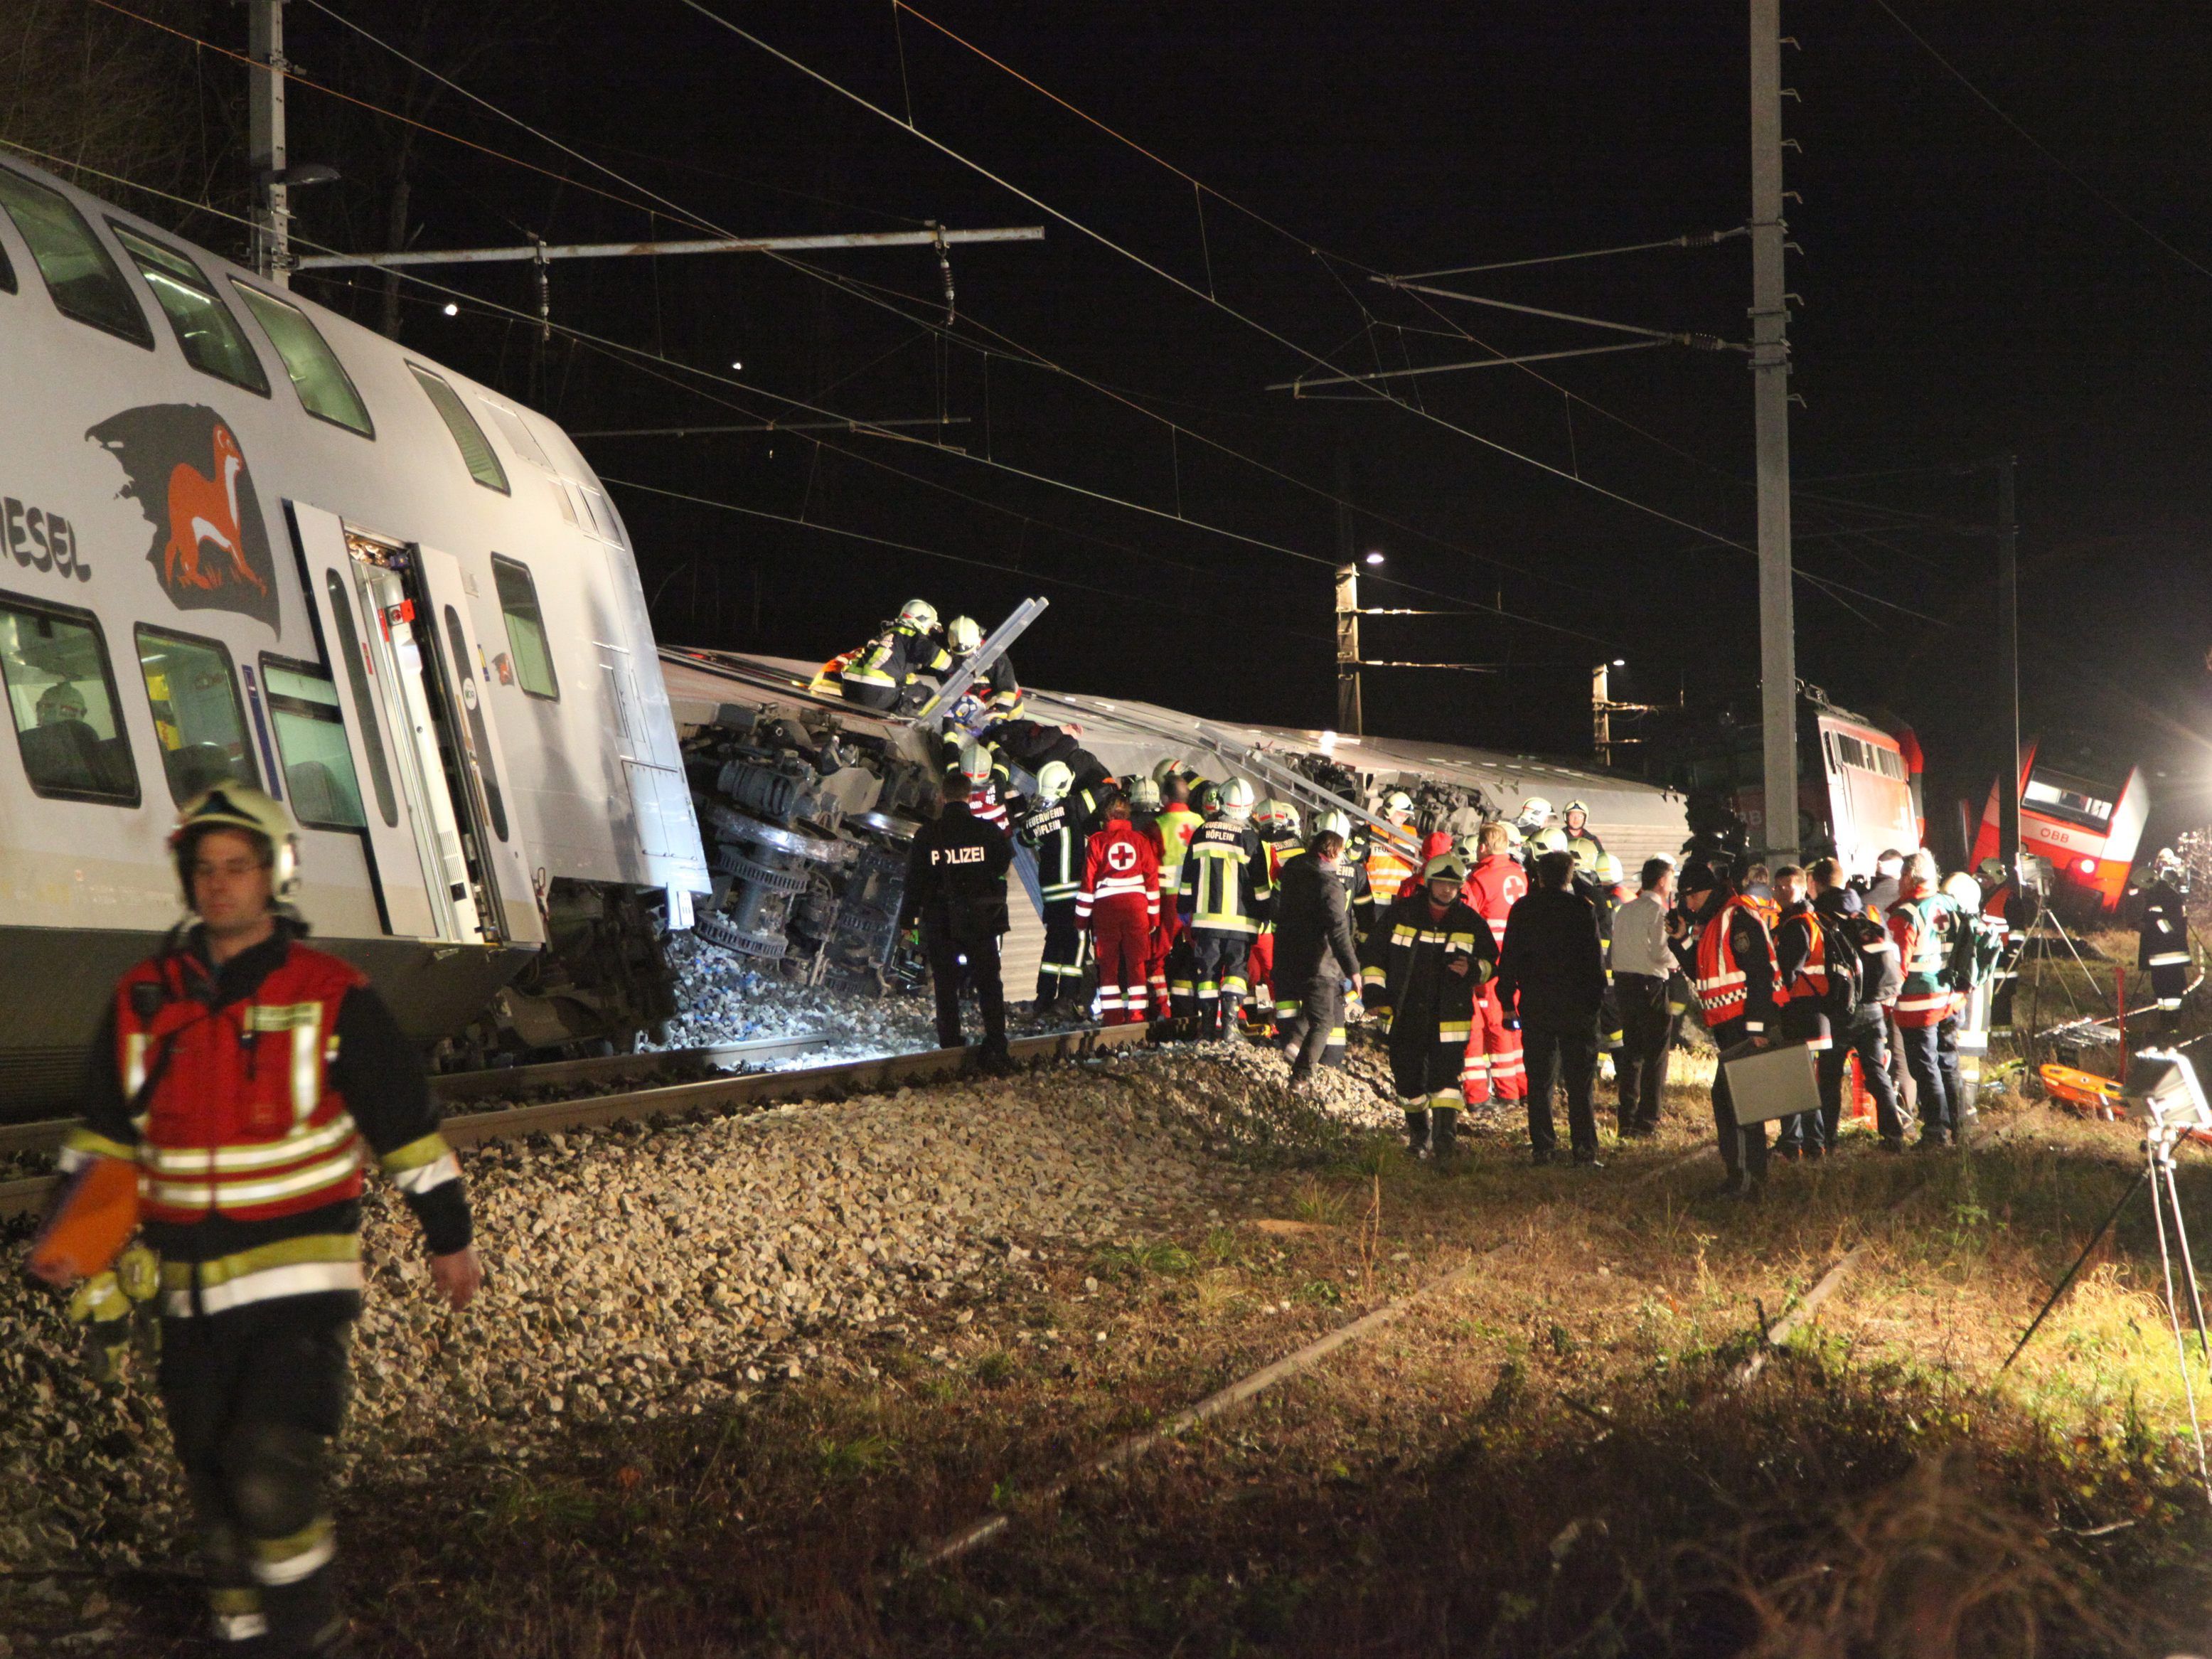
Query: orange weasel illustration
{"points": [[205, 510]]}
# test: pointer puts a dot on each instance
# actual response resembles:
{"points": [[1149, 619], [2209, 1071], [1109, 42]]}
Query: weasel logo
{"points": [[184, 467]]}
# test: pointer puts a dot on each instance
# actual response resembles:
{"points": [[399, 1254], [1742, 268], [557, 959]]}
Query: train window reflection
{"points": [[525, 629], [196, 714], [84, 281], [476, 452], [324, 389], [212, 340], [311, 740], [61, 691], [348, 647]]}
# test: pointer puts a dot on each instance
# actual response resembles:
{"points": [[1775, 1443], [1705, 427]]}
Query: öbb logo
{"points": [[186, 469]]}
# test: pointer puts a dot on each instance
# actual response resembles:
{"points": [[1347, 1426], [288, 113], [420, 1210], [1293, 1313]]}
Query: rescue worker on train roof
{"points": [[241, 1071], [883, 675], [997, 690]]}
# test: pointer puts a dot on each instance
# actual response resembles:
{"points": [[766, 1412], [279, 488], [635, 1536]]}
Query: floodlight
{"points": [[2161, 1090]]}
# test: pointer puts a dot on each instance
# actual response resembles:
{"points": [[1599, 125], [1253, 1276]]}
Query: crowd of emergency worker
{"points": [[239, 1074]]}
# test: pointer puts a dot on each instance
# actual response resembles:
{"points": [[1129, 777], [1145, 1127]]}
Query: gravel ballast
{"points": [[642, 1271]]}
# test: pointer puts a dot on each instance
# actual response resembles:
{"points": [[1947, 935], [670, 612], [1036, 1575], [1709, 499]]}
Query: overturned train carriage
{"points": [[809, 802], [242, 539]]}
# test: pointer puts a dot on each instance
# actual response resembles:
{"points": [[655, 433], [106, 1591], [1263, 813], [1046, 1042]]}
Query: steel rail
{"points": [[26, 1197], [451, 1088]]}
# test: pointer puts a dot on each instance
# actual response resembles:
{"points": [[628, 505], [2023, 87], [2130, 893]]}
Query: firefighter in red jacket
{"points": [[1494, 1068], [1120, 903], [242, 1072], [1725, 950]]}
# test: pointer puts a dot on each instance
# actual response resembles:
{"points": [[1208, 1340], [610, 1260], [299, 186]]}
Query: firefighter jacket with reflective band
{"points": [[1176, 826], [1279, 853], [2162, 936], [1407, 959], [1058, 831], [1119, 863], [998, 689], [267, 1076], [1497, 884], [1225, 878], [1800, 962], [1733, 969], [1922, 928], [895, 657]]}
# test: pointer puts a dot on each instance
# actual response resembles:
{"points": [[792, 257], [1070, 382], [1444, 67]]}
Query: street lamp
{"points": [[1374, 556]]}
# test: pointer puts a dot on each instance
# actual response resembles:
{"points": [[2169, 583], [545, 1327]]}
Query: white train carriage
{"points": [[243, 537]]}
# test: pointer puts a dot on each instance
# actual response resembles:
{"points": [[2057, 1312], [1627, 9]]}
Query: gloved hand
{"points": [[115, 1306]]}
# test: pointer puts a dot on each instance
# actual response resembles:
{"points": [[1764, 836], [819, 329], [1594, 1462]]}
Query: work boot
{"points": [[1417, 1133], [1443, 1133], [995, 1059]]}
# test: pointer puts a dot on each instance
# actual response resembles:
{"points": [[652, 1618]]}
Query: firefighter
{"points": [[1801, 998], [1175, 822], [235, 1051], [882, 676], [1119, 899], [1535, 814], [1922, 923], [2162, 937], [955, 888], [1277, 821], [988, 783], [1223, 899], [1058, 830], [1314, 954], [1724, 947], [1387, 868], [1584, 845], [1494, 1068], [1423, 963], [2014, 905], [995, 688]]}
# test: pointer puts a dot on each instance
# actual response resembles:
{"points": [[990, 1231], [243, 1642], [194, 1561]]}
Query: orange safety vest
{"points": [[1723, 991], [243, 1120], [1811, 979]]}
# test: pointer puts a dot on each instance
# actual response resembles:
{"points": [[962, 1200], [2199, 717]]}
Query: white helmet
{"points": [[1237, 799], [1055, 779], [1534, 811], [1332, 822], [962, 635], [1963, 890], [1550, 839], [1514, 838], [1398, 801], [1581, 806], [977, 764], [239, 806], [1144, 795], [1278, 820], [919, 615], [1608, 871]]}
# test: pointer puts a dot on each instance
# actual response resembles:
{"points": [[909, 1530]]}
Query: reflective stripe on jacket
{"points": [[1224, 876], [1722, 984]]}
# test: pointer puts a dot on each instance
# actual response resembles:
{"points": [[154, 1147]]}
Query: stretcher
{"points": [[2087, 1092]]}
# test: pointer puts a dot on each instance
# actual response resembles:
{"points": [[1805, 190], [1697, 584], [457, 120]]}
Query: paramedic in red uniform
{"points": [[1119, 901], [1495, 1069], [242, 1072]]}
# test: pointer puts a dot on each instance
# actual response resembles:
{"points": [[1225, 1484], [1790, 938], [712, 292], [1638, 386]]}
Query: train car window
{"points": [[326, 391], [347, 645], [525, 629], [85, 281], [476, 451], [213, 342], [7, 273], [310, 741], [519, 435], [61, 691], [196, 713]]}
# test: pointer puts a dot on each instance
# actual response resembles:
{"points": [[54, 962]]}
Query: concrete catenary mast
{"points": [[1770, 379]]}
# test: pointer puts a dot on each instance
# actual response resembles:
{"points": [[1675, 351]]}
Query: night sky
{"points": [[1962, 295]]}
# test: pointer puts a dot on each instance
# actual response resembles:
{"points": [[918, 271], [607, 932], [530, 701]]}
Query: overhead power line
{"points": [[537, 253], [1688, 238]]}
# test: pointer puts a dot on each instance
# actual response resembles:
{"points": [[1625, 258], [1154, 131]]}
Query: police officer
{"points": [[234, 1052], [956, 887], [1315, 954], [1550, 975], [2162, 937]]}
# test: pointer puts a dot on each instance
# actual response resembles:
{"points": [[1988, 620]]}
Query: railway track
{"points": [[731, 1089]]}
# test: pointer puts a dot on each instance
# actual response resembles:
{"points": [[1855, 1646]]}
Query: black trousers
{"points": [[254, 1397], [1568, 1053], [1059, 969], [869, 696], [1865, 1034], [1743, 1146], [1645, 1028], [951, 961], [1306, 1033]]}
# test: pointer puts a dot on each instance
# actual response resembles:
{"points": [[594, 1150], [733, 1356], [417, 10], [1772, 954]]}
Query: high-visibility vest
{"points": [[1177, 824], [1811, 979], [1924, 955], [1722, 990]]}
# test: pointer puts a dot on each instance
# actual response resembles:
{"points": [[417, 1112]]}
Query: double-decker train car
{"points": [[2083, 815], [243, 538]]}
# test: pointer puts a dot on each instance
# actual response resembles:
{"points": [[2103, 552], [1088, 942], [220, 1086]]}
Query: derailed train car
{"points": [[809, 801], [241, 538]]}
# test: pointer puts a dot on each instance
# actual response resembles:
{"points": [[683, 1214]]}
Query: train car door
{"points": [[432, 874]]}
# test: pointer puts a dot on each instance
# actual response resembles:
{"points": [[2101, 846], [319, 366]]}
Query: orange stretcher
{"points": [[92, 1219], [2090, 1093]]}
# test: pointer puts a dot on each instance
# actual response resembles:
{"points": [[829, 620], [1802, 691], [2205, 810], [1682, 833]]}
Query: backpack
{"points": [[1975, 948], [1880, 976]]}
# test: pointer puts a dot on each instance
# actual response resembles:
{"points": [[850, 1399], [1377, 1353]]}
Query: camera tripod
{"points": [[2159, 1139]]}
